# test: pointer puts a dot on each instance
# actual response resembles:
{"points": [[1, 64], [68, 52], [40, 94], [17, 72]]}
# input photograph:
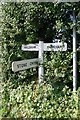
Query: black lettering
{"points": [[22, 65], [33, 63], [29, 47], [55, 46]]}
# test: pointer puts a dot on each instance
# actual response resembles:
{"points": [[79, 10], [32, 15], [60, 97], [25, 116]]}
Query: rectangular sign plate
{"points": [[54, 1], [30, 47], [67, 0], [55, 47], [24, 64]]}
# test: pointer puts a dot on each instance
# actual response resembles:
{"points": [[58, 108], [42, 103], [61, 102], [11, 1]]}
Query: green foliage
{"points": [[24, 23], [38, 101], [58, 67], [13, 36]]}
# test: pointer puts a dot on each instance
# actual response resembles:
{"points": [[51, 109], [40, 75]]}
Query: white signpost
{"points": [[41, 47]]}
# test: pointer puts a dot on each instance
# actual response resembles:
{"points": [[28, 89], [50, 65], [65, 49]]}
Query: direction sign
{"points": [[55, 47], [46, 47], [30, 47], [24, 64], [67, 0]]}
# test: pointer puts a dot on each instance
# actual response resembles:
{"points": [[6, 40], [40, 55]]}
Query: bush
{"points": [[58, 67], [38, 101], [13, 36]]}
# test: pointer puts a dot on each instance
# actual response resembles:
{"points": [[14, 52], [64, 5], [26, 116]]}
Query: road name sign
{"points": [[24, 64], [67, 0], [30, 47], [46, 47], [55, 47]]}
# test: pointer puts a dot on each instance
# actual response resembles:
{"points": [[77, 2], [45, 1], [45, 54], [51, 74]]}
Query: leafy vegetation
{"points": [[28, 23], [24, 23], [34, 101], [58, 67]]}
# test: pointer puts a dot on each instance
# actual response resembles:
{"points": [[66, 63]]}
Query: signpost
{"points": [[40, 47]]}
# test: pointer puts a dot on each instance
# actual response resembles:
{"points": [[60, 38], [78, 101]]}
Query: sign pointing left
{"points": [[24, 64], [30, 47]]}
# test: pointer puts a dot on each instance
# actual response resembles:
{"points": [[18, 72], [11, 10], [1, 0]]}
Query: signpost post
{"points": [[41, 57]]}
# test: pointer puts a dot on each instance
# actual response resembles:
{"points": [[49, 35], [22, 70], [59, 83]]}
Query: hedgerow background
{"points": [[22, 96]]}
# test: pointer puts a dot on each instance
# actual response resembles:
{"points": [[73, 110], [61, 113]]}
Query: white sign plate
{"points": [[55, 47], [24, 64], [30, 47], [67, 0], [47, 47]]}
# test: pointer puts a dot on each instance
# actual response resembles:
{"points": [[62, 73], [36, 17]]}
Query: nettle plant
{"points": [[58, 66]]}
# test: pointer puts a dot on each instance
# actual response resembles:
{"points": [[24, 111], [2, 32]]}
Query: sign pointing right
{"points": [[67, 0]]}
